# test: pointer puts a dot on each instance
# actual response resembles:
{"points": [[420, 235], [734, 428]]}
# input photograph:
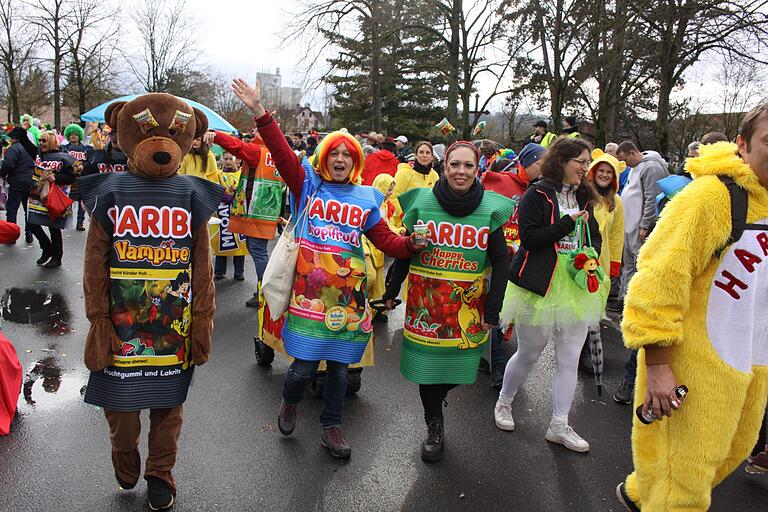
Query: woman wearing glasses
{"points": [[544, 300]]}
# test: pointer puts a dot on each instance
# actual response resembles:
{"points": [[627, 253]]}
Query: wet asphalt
{"points": [[232, 457]]}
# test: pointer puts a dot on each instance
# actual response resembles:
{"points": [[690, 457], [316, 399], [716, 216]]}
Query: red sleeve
{"points": [[287, 163], [250, 153], [389, 242]]}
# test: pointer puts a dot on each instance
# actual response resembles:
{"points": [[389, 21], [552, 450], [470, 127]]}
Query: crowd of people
{"points": [[486, 244]]}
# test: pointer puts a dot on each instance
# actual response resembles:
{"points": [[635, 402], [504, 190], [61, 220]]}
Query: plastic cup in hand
{"points": [[422, 232]]}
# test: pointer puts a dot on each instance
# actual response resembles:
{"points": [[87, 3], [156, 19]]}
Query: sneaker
{"points": [[432, 447], [53, 263], [239, 277], [625, 500], [159, 494], [286, 418], [497, 377], [757, 465], [333, 439], [253, 302], [624, 393], [218, 276], [502, 413], [42, 259], [560, 432], [80, 227]]}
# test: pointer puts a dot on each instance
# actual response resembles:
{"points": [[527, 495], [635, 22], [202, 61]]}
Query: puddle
{"points": [[47, 387], [30, 306]]}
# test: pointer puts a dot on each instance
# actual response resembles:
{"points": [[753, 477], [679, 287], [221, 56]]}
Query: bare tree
{"points": [[54, 20], [559, 50], [685, 30], [167, 33], [616, 61], [742, 86], [91, 55], [477, 48], [16, 46], [327, 19]]}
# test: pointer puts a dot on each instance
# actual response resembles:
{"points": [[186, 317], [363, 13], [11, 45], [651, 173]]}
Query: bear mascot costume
{"points": [[149, 294]]}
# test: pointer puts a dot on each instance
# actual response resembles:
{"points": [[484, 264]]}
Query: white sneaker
{"points": [[561, 433], [503, 415]]}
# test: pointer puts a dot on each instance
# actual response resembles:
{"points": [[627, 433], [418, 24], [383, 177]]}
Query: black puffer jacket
{"points": [[17, 168], [541, 228]]}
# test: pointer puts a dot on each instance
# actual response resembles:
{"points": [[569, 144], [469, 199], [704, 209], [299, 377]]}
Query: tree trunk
{"points": [[454, 53], [376, 63], [13, 98], [666, 84]]}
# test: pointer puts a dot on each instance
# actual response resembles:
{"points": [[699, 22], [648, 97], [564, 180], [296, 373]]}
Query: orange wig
{"points": [[331, 142]]}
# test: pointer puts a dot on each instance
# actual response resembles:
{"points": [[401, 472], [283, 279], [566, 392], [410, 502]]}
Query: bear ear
{"points": [[597, 153], [201, 123], [111, 113]]}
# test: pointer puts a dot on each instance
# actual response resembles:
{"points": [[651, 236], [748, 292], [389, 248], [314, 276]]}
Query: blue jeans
{"points": [[336, 378], [630, 367], [258, 249], [80, 212], [220, 265], [17, 198]]}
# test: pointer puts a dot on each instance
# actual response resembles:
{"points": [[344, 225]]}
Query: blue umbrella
{"points": [[215, 121]]}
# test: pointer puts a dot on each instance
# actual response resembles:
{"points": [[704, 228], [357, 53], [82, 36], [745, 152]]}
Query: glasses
{"points": [[582, 163]]}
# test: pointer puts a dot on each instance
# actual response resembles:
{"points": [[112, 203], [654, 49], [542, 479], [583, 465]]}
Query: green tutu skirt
{"points": [[565, 304]]}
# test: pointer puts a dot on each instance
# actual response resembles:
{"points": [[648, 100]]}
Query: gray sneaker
{"points": [[624, 393], [333, 439], [286, 418]]}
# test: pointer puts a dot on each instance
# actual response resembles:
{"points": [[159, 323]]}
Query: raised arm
{"points": [[285, 159], [250, 153]]}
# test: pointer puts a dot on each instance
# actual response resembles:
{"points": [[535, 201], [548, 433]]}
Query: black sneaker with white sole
{"points": [[159, 494]]}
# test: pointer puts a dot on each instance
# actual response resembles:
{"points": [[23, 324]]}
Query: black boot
{"points": [[53, 262], [42, 259], [432, 448]]}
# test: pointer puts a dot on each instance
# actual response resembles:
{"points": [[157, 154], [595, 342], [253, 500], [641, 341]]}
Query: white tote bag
{"points": [[277, 283]]}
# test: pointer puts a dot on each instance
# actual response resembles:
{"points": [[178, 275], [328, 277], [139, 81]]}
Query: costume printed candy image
{"points": [[152, 317]]}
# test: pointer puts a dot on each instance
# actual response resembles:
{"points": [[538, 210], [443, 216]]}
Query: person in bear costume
{"points": [[695, 310], [148, 285]]}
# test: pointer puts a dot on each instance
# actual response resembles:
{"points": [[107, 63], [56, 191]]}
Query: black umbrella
{"points": [[596, 353]]}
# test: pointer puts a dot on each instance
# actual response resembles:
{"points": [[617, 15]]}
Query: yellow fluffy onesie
{"points": [[710, 312]]}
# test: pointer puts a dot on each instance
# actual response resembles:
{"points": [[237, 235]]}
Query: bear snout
{"points": [[161, 157]]}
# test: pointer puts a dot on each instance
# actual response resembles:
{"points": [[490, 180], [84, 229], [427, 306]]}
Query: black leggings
{"points": [[51, 246], [432, 396], [761, 441]]}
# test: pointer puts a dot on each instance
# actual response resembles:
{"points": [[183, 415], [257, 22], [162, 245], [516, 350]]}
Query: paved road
{"points": [[233, 458]]}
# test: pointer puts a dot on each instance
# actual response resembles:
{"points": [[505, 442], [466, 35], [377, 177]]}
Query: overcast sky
{"points": [[242, 37]]}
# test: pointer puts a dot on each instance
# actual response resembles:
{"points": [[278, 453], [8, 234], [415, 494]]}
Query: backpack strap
{"points": [[739, 206]]}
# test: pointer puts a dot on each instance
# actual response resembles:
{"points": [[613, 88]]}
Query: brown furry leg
{"points": [[164, 431], [124, 430]]}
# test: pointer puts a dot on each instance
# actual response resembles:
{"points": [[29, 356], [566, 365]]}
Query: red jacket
{"points": [[511, 185], [377, 163]]}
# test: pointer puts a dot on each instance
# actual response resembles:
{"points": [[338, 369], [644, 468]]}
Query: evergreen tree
{"points": [[387, 79]]}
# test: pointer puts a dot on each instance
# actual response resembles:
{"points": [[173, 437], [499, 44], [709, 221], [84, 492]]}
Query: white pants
{"points": [[531, 340]]}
